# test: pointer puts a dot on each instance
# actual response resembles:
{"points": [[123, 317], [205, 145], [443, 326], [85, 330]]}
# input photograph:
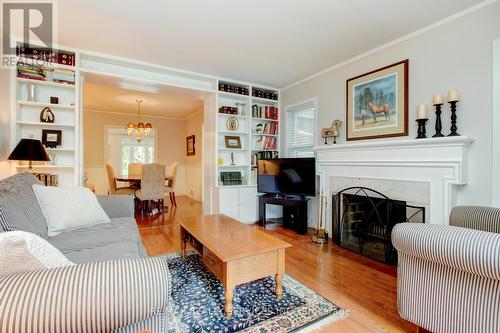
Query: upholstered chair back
{"points": [[152, 182], [475, 217], [172, 172], [111, 179], [135, 169]]}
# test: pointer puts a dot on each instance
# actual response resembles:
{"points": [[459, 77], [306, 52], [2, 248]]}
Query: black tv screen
{"points": [[292, 176]]}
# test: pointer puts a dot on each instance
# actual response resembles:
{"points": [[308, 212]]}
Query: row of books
{"points": [[30, 72], [265, 111], [263, 93], [47, 179], [232, 88], [269, 143], [228, 110], [45, 54], [263, 155], [63, 76], [271, 128], [231, 178]]}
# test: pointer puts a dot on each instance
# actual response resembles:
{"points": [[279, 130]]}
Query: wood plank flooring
{"points": [[365, 287]]}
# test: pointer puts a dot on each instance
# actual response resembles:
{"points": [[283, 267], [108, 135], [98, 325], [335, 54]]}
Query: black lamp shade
{"points": [[29, 150]]}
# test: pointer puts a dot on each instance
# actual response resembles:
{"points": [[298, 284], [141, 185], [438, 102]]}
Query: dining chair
{"points": [[113, 189], [135, 169], [152, 187], [170, 183]]}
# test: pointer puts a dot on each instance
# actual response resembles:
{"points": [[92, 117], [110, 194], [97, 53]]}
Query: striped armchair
{"points": [[449, 275]]}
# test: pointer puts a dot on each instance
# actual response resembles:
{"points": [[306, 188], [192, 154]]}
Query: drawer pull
{"points": [[212, 260]]}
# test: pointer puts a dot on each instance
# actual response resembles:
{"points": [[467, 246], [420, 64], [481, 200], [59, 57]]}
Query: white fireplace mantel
{"points": [[441, 162]]}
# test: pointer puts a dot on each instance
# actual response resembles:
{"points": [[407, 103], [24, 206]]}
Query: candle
{"points": [[453, 96], [437, 99], [422, 112]]}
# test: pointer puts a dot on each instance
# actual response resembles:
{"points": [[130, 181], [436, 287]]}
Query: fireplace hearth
{"points": [[363, 220]]}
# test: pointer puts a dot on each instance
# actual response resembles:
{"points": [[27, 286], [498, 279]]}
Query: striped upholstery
{"points": [[19, 209], [479, 218], [94, 297], [449, 276]]}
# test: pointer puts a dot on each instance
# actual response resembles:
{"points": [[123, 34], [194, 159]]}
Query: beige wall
{"points": [[194, 174], [457, 55], [170, 139]]}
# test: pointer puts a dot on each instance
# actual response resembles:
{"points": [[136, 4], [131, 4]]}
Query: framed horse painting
{"points": [[377, 103]]}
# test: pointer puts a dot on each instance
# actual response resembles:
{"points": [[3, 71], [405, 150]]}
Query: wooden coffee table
{"points": [[235, 252]]}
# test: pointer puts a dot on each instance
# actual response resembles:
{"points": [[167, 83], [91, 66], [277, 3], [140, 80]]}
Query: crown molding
{"points": [[130, 114]]}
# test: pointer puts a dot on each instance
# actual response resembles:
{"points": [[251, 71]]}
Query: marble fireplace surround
{"points": [[436, 166]]}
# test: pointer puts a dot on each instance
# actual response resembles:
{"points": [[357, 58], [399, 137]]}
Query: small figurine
{"points": [[332, 132]]}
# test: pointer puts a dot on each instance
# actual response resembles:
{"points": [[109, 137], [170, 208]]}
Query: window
{"points": [[299, 129]]}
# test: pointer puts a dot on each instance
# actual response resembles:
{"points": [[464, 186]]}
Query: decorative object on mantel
{"points": [[321, 236], [331, 132], [422, 120], [190, 150], [377, 103], [139, 130], [51, 138], [453, 98], [29, 150], [437, 101], [46, 115], [54, 100]]}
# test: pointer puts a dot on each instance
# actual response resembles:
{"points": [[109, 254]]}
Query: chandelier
{"points": [[139, 130]]}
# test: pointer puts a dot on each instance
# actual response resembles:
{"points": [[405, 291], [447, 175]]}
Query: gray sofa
{"points": [[449, 275], [113, 286]]}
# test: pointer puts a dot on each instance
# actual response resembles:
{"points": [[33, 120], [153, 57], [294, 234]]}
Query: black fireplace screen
{"points": [[363, 220]]}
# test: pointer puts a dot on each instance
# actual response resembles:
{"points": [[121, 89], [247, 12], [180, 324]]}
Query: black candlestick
{"points": [[421, 128], [453, 128], [438, 126]]}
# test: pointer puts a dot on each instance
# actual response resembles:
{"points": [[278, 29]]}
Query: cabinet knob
{"points": [[212, 260]]}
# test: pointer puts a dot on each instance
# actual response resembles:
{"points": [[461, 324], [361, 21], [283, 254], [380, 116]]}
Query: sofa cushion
{"points": [[19, 209], [115, 240]]}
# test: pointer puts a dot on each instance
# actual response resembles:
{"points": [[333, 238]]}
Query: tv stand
{"points": [[294, 210]]}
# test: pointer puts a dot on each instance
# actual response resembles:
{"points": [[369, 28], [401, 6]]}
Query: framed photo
{"points": [[377, 103], [232, 142], [190, 150], [46, 115], [51, 138]]}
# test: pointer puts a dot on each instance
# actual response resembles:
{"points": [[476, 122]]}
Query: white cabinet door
{"points": [[248, 203], [229, 202]]}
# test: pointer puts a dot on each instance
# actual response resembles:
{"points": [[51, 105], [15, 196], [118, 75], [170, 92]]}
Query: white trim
{"points": [[495, 139], [396, 41], [133, 115]]}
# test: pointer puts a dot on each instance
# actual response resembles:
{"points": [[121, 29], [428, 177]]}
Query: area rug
{"points": [[198, 303]]}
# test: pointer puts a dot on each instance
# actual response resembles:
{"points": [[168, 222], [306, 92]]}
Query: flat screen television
{"points": [[287, 176]]}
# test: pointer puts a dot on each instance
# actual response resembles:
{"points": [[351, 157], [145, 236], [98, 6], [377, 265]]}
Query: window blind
{"points": [[299, 130]]}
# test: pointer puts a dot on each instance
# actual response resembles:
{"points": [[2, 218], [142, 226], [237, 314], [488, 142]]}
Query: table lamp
{"points": [[29, 150]]}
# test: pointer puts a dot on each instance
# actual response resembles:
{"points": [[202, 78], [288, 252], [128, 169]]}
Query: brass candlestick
{"points": [[321, 237]]}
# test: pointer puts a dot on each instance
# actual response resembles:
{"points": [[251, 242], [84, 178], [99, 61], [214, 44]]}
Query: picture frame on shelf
{"points": [[377, 103], [51, 138], [54, 100], [190, 142], [232, 142], [47, 116]]}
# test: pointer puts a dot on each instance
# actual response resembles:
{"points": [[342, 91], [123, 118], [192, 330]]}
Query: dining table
{"points": [[135, 178]]}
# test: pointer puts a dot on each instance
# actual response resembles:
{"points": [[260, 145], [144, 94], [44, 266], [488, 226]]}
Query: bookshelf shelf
{"points": [[34, 123], [46, 83], [50, 105], [260, 100]]}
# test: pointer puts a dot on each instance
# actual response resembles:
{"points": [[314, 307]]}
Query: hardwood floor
{"points": [[365, 287]]}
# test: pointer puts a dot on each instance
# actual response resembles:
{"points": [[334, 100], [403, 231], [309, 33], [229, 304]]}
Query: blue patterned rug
{"points": [[198, 299]]}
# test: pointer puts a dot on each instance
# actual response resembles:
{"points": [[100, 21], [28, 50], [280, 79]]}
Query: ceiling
{"points": [[270, 42], [110, 94]]}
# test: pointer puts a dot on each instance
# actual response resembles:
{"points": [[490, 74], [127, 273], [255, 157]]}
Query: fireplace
{"points": [[363, 219]]}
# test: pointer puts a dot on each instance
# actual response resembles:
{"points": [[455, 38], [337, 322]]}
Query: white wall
{"points": [[5, 125], [194, 164], [457, 55], [170, 138]]}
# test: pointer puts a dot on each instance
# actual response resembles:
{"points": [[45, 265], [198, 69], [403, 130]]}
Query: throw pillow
{"points": [[21, 251], [69, 208]]}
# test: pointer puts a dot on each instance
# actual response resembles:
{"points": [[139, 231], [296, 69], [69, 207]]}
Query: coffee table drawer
{"points": [[213, 263]]}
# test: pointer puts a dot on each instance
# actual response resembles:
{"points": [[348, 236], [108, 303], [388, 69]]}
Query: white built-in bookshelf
{"points": [[64, 164], [257, 130]]}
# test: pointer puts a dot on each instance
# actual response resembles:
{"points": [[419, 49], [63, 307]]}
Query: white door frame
{"points": [[495, 139]]}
